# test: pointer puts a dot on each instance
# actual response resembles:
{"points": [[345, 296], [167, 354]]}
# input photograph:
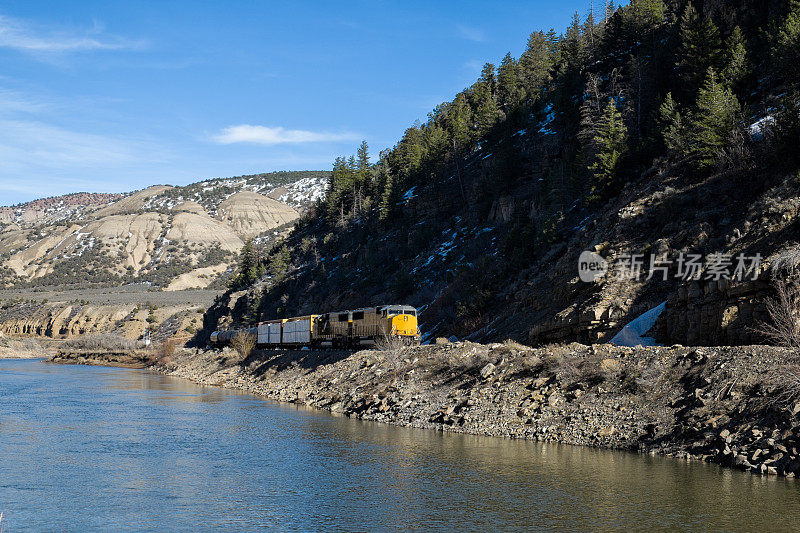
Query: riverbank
{"points": [[11, 348], [735, 406]]}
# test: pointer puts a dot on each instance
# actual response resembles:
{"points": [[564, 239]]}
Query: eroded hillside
{"points": [[173, 238]]}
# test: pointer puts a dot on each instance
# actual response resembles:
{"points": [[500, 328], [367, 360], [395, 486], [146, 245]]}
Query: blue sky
{"points": [[115, 96]]}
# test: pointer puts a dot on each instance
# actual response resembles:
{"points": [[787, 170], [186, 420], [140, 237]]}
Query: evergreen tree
{"points": [[611, 142], [510, 89], [701, 47], [459, 121], [713, 121], [574, 46], [554, 47], [535, 64], [363, 177], [788, 44], [385, 205], [248, 271], [640, 16], [340, 187], [671, 125], [735, 58], [486, 110]]}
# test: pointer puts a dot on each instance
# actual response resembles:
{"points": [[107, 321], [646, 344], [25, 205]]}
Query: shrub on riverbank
{"points": [[106, 342]]}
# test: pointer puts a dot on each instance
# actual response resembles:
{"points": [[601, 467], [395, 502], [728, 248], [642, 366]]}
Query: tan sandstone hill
{"points": [[173, 238]]}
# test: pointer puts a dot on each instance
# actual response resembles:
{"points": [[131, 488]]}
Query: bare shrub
{"points": [[785, 382], [784, 315], [244, 343], [787, 262], [167, 348], [389, 343], [106, 342], [572, 368], [163, 354]]}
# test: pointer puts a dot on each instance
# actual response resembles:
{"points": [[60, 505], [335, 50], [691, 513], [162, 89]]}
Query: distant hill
{"points": [[170, 237]]}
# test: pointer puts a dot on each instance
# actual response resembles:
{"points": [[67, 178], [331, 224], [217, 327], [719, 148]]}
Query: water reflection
{"points": [[103, 448]]}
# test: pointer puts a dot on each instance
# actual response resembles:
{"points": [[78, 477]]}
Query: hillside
{"points": [[665, 130], [172, 238]]}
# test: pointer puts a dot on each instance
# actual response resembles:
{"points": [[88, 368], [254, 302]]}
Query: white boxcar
{"points": [[297, 331], [263, 333], [274, 333]]}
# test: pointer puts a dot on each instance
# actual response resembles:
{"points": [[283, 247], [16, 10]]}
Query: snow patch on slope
{"points": [[633, 333]]}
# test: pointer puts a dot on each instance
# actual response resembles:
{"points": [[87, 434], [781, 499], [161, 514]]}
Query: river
{"points": [[94, 448]]}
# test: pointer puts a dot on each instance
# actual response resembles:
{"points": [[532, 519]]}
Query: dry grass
{"points": [[244, 343], [106, 342], [784, 315]]}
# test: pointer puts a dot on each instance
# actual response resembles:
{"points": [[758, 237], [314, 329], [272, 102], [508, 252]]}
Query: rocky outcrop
{"points": [[65, 320], [250, 214], [714, 313], [734, 406]]}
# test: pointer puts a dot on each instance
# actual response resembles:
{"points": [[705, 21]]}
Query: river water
{"points": [[92, 448]]}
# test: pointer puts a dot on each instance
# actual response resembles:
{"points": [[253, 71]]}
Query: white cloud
{"points": [[245, 133], [471, 34], [26, 145], [22, 36]]}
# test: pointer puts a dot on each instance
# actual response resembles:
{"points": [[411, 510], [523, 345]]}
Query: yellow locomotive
{"points": [[343, 329]]}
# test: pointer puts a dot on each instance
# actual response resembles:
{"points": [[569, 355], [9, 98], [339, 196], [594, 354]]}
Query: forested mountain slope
{"points": [[663, 128]]}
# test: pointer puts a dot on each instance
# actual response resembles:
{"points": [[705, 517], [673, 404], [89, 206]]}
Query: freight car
{"points": [[343, 329]]}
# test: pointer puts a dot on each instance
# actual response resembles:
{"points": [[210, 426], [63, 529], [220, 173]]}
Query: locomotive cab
{"points": [[401, 321]]}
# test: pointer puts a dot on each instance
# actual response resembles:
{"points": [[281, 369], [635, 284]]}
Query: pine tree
{"points": [[713, 121], [363, 177], [671, 125], [459, 121], [385, 206], [248, 268], [788, 44], [735, 58], [701, 47], [574, 47], [535, 64], [640, 16], [486, 111], [611, 142], [510, 90], [554, 47]]}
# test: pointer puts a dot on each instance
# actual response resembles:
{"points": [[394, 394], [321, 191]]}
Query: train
{"points": [[343, 329]]}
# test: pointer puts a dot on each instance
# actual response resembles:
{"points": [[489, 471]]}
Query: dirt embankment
{"points": [[736, 406], [22, 348]]}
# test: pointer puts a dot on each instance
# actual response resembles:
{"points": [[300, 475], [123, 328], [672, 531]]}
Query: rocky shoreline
{"points": [[735, 406], [117, 358]]}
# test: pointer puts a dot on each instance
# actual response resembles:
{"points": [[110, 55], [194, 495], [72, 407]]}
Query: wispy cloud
{"points": [[26, 143], [245, 133], [470, 33], [23, 36]]}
